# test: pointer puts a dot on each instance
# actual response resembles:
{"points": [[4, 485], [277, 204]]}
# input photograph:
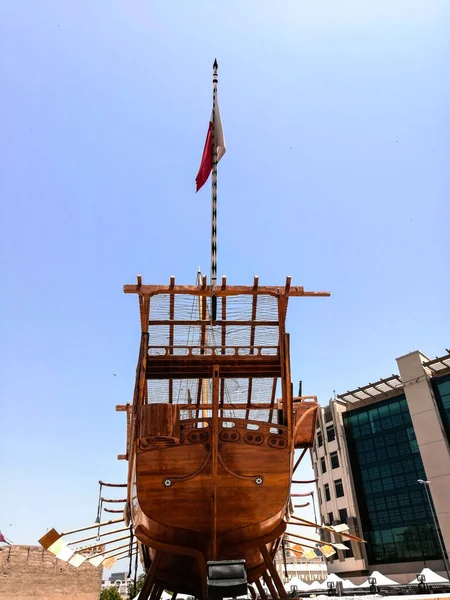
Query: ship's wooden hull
{"points": [[211, 432], [173, 508]]}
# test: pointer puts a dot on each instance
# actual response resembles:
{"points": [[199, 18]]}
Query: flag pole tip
{"points": [[215, 65]]}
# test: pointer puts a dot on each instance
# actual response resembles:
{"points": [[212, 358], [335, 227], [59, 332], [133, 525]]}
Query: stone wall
{"points": [[30, 572]]}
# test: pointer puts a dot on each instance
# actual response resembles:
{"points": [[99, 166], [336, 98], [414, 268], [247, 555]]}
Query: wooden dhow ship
{"points": [[211, 434], [212, 431]]}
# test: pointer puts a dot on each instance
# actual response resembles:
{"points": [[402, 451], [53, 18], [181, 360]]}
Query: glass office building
{"points": [[386, 464], [373, 444]]}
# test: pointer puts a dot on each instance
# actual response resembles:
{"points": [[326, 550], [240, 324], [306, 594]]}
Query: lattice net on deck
{"points": [[189, 308], [260, 337]]}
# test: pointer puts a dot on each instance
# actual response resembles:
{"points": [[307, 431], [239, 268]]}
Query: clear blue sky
{"points": [[337, 126]]}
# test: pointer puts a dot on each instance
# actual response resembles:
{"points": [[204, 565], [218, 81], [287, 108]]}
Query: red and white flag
{"points": [[4, 540], [208, 151]]}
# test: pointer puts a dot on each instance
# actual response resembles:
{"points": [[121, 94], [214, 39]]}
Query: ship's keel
{"points": [[185, 570]]}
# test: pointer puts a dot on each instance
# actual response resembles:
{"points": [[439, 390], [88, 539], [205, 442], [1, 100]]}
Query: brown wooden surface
{"points": [[261, 590], [273, 572], [305, 421], [150, 578], [214, 462], [160, 420], [193, 485], [200, 366], [270, 585], [240, 502], [236, 290]]}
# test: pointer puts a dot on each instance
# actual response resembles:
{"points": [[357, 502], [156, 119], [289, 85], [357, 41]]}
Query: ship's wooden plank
{"points": [[223, 337], [214, 459], [274, 573], [282, 356], [230, 406], [179, 369], [269, 583], [261, 590], [288, 386], [220, 323], [195, 290], [187, 504], [272, 399], [150, 577], [252, 338]]}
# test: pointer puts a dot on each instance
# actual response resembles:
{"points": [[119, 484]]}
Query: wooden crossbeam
{"points": [[199, 367], [230, 406], [220, 322], [195, 290]]}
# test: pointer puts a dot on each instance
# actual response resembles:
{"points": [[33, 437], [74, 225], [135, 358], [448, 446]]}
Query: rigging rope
{"points": [[131, 551], [135, 574], [99, 509]]}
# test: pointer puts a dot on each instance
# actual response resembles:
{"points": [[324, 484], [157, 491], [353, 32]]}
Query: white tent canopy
{"points": [[301, 585], [332, 577], [431, 577], [380, 578], [315, 585], [349, 584]]}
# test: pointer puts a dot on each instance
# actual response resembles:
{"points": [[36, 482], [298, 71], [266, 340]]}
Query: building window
{"points": [[319, 495], [323, 465], [319, 438], [330, 433], [343, 515], [339, 488], [349, 552], [330, 518], [334, 460], [326, 488]]}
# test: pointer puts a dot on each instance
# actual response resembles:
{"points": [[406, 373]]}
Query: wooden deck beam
{"points": [[220, 322], [207, 290], [223, 337], [199, 367]]}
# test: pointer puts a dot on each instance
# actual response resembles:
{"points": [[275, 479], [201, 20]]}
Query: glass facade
{"points": [[386, 464], [441, 388]]}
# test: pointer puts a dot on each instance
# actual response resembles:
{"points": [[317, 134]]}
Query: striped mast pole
{"points": [[214, 198]]}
